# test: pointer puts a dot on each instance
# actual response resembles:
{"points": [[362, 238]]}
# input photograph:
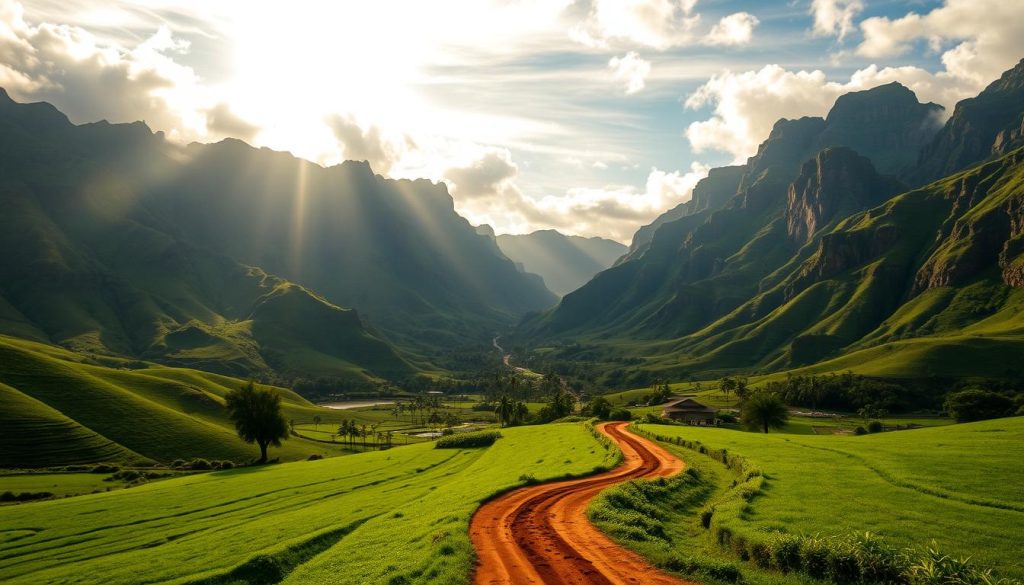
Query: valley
{"points": [[326, 349]]}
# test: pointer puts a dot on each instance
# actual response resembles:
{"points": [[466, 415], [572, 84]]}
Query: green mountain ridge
{"points": [[819, 261], [117, 242]]}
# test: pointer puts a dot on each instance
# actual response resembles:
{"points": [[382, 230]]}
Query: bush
{"points": [[466, 440], [727, 417], [200, 465], [874, 426], [860, 431], [104, 468], [178, 463], [314, 457], [24, 496], [227, 464], [620, 414]]}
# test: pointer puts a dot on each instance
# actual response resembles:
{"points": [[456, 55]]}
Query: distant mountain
{"points": [[564, 262], [989, 125], [709, 194], [813, 254], [114, 241]]}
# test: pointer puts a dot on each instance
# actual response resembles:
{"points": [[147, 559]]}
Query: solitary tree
{"points": [[763, 410], [256, 413], [505, 410]]}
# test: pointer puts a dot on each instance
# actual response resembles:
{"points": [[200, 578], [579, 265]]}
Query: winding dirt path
{"points": [[540, 534]]}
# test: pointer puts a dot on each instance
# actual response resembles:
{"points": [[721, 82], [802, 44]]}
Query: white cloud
{"points": [[746, 105], [985, 34], [835, 17], [485, 192], [658, 24], [631, 69], [89, 80], [733, 30]]}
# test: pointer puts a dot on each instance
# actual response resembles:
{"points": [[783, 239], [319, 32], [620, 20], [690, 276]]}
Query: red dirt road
{"points": [[540, 534]]}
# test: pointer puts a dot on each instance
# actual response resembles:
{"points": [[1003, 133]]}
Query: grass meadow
{"points": [[395, 516], [957, 486]]}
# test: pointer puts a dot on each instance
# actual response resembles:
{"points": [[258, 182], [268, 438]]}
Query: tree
{"points": [[763, 410], [600, 407], [504, 410], [977, 404], [520, 412], [257, 415], [727, 385], [316, 422]]}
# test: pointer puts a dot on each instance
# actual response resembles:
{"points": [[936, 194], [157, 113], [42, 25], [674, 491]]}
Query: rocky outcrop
{"points": [[886, 121], [981, 127], [835, 183], [841, 251]]}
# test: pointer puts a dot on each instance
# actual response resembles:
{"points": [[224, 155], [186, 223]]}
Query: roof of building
{"points": [[688, 405]]}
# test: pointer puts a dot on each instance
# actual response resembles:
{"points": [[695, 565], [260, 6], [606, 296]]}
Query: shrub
{"points": [[860, 431], [104, 468], [227, 464], [314, 457], [620, 414], [874, 426], [178, 463], [719, 571], [467, 440], [200, 464]]}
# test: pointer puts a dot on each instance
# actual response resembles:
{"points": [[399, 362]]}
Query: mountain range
{"points": [[564, 262], [116, 242], [876, 238]]}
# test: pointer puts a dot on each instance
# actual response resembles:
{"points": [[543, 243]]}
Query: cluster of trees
{"points": [[511, 412], [850, 392], [977, 403], [351, 430], [600, 407]]}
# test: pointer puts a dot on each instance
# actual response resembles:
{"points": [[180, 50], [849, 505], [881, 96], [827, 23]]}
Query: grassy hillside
{"points": [[64, 409], [956, 485], [219, 527]]}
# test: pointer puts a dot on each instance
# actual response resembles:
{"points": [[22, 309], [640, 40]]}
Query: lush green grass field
{"points": [[412, 503], [959, 486], [64, 408]]}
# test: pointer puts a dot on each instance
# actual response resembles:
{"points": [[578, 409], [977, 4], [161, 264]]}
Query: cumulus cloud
{"points": [[367, 143], [746, 105], [631, 69], [89, 80], [658, 24], [733, 30], [485, 192], [488, 176], [835, 17], [984, 36], [222, 121]]}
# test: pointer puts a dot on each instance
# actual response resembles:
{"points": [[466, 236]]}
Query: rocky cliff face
{"points": [[887, 121], [709, 194], [981, 230], [988, 125], [835, 183]]}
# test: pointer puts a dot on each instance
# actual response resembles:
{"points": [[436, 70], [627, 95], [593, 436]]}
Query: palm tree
{"points": [[763, 410], [520, 412], [504, 410], [362, 433], [256, 413], [316, 422]]}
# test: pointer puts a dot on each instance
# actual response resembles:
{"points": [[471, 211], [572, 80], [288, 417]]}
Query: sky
{"points": [[591, 117]]}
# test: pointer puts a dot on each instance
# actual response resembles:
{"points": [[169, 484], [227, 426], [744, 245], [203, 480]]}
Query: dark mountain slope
{"points": [[564, 262], [83, 265], [986, 126], [395, 249]]}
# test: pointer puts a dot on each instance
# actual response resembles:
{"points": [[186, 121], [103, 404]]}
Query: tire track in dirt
{"points": [[541, 534]]}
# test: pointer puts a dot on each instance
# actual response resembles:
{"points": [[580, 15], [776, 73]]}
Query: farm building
{"points": [[690, 411]]}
